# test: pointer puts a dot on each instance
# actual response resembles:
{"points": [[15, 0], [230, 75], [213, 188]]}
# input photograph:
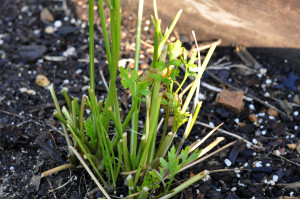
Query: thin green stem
{"points": [[91, 45], [153, 128], [135, 116], [125, 152]]}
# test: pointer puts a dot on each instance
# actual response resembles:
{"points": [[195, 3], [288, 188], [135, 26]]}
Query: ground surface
{"points": [[30, 142]]}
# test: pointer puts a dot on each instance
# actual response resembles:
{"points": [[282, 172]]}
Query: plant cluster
{"points": [[135, 156]]}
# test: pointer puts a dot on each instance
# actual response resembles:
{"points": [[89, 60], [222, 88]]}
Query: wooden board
{"points": [[264, 24]]}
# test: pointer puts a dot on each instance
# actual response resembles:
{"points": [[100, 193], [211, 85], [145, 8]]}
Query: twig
{"points": [[103, 79], [63, 185], [57, 169], [290, 161], [13, 114], [52, 190], [230, 134], [207, 46], [90, 172], [294, 185]]}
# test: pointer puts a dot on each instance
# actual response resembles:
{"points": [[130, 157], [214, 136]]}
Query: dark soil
{"points": [[30, 142]]}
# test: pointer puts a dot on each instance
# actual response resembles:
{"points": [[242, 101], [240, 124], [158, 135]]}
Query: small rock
{"points": [[46, 15], [272, 112], [69, 52], [66, 30], [35, 181], [227, 162], [252, 107], [292, 146], [49, 30], [31, 52], [279, 152], [42, 81], [253, 118], [57, 24], [23, 90], [231, 99], [258, 164], [31, 92], [275, 178]]}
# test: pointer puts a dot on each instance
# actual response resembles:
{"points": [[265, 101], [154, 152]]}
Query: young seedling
{"points": [[136, 155]]}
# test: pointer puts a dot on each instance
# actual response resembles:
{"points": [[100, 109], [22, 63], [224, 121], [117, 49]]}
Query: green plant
{"points": [[143, 164]]}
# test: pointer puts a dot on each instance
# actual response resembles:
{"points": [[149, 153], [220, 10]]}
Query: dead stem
{"points": [[232, 135], [207, 156], [57, 169]]}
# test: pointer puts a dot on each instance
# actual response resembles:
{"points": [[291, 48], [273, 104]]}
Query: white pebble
{"points": [[275, 178], [201, 96], [271, 117], [277, 152], [78, 71], [23, 90], [254, 154], [69, 52], [148, 22], [254, 141], [263, 71], [8, 103], [295, 128], [146, 28], [233, 189], [261, 114], [66, 81], [227, 162], [57, 24], [267, 94], [264, 132], [11, 168], [1, 41], [271, 182], [268, 164], [196, 137], [268, 81], [237, 120], [291, 193], [296, 113], [260, 120], [259, 75], [73, 21], [251, 106], [246, 164], [258, 164], [211, 124], [292, 136]]}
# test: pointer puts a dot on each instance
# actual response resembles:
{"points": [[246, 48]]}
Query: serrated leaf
{"points": [[175, 50], [193, 58], [89, 128]]}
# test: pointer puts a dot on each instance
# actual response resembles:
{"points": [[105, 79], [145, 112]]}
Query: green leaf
{"points": [[127, 81], [89, 128], [193, 57], [175, 50]]}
